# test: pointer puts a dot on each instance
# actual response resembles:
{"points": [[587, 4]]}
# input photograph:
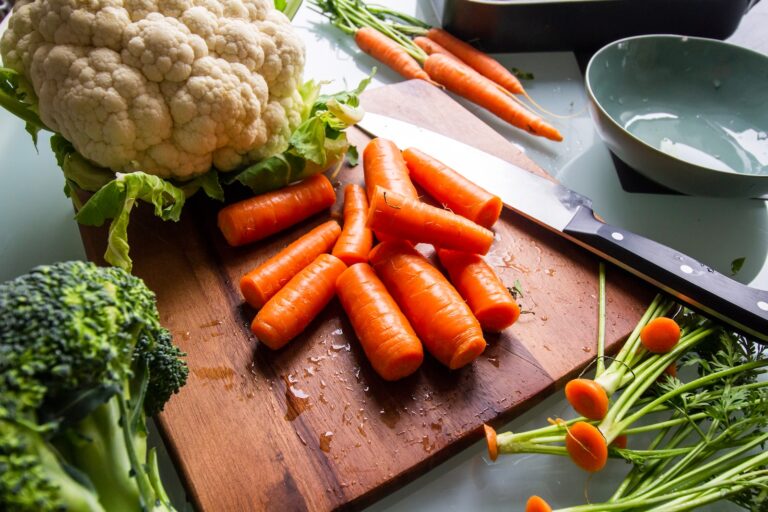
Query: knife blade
{"points": [[570, 214]]}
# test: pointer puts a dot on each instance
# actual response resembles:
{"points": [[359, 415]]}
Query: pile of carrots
{"points": [[438, 57], [397, 302]]}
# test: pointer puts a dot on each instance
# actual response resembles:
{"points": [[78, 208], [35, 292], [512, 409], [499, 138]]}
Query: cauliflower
{"points": [[167, 87]]}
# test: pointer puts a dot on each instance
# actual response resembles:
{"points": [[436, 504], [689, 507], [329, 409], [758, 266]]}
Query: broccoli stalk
{"points": [[83, 360]]}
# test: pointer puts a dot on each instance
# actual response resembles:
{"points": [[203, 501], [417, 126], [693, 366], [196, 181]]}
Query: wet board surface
{"points": [[312, 427]]}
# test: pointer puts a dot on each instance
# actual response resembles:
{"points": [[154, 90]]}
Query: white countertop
{"points": [[36, 226]]}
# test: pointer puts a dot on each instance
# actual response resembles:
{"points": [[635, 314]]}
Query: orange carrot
{"points": [[452, 189], [266, 214], [586, 446], [383, 166], [473, 86], [386, 50], [660, 335], [491, 441], [537, 504], [588, 398], [385, 334], [477, 60], [297, 303], [430, 47], [261, 283], [620, 442], [355, 240], [434, 308], [410, 219], [488, 298]]}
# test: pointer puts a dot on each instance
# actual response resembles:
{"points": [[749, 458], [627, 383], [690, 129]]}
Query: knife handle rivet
{"points": [[762, 305], [617, 236], [686, 269]]}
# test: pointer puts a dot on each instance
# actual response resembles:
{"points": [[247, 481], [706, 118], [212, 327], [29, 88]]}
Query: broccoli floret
{"points": [[83, 360]]}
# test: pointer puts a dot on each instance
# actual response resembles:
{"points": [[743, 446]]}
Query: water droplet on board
{"points": [[341, 346], [586, 349], [390, 417], [212, 323], [216, 373], [325, 441], [494, 360], [297, 400]]}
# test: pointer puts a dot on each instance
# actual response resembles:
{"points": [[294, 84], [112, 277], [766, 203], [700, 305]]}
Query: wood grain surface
{"points": [[311, 426]]}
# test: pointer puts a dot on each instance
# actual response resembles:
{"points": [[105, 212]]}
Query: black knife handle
{"points": [[698, 285]]}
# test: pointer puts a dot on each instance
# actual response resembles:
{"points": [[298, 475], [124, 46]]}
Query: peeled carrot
{"points": [[356, 239], [410, 219], [297, 303], [384, 49], [266, 214], [452, 189], [477, 60], [660, 335], [586, 446], [261, 283], [473, 86], [537, 504], [440, 317], [491, 441], [387, 338], [383, 166], [588, 398], [487, 297]]}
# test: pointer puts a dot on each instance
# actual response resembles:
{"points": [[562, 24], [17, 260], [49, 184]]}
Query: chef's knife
{"points": [[570, 214]]}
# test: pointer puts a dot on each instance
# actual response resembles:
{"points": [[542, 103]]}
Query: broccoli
{"points": [[83, 360]]}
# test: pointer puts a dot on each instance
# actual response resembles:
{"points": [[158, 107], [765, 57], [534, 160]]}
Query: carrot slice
{"points": [[487, 297], [452, 189], [586, 446], [407, 218], [481, 62], [266, 214], [469, 84], [588, 398], [491, 441], [356, 239], [297, 303], [386, 50], [434, 308], [660, 335], [537, 504], [388, 340], [261, 283]]}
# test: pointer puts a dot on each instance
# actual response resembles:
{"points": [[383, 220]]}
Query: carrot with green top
{"points": [[297, 303], [440, 317], [487, 297], [261, 283], [587, 398], [469, 84], [453, 190], [403, 217], [477, 60], [387, 51], [356, 239], [266, 214], [389, 342]]}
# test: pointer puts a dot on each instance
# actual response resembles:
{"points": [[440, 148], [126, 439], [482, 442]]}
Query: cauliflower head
{"points": [[168, 87]]}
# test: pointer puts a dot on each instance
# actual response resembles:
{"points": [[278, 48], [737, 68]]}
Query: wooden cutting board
{"points": [[312, 427]]}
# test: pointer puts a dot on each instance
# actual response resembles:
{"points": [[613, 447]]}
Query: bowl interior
{"points": [[699, 100]]}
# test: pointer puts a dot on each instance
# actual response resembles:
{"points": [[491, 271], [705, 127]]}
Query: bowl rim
{"points": [[654, 149]]}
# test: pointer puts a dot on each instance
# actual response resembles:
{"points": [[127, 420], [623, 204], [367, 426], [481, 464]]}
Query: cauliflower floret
{"points": [[169, 87]]}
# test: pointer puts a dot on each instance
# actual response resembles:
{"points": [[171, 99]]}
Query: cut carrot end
{"points": [[489, 213], [253, 294], [537, 504], [402, 366], [267, 334], [490, 439], [497, 317], [586, 446], [588, 398], [660, 335]]}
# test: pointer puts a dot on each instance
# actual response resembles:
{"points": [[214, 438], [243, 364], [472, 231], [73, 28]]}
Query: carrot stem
{"points": [[600, 367]]}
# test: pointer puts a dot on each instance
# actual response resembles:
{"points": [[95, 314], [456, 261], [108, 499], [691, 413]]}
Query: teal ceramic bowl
{"points": [[686, 112]]}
